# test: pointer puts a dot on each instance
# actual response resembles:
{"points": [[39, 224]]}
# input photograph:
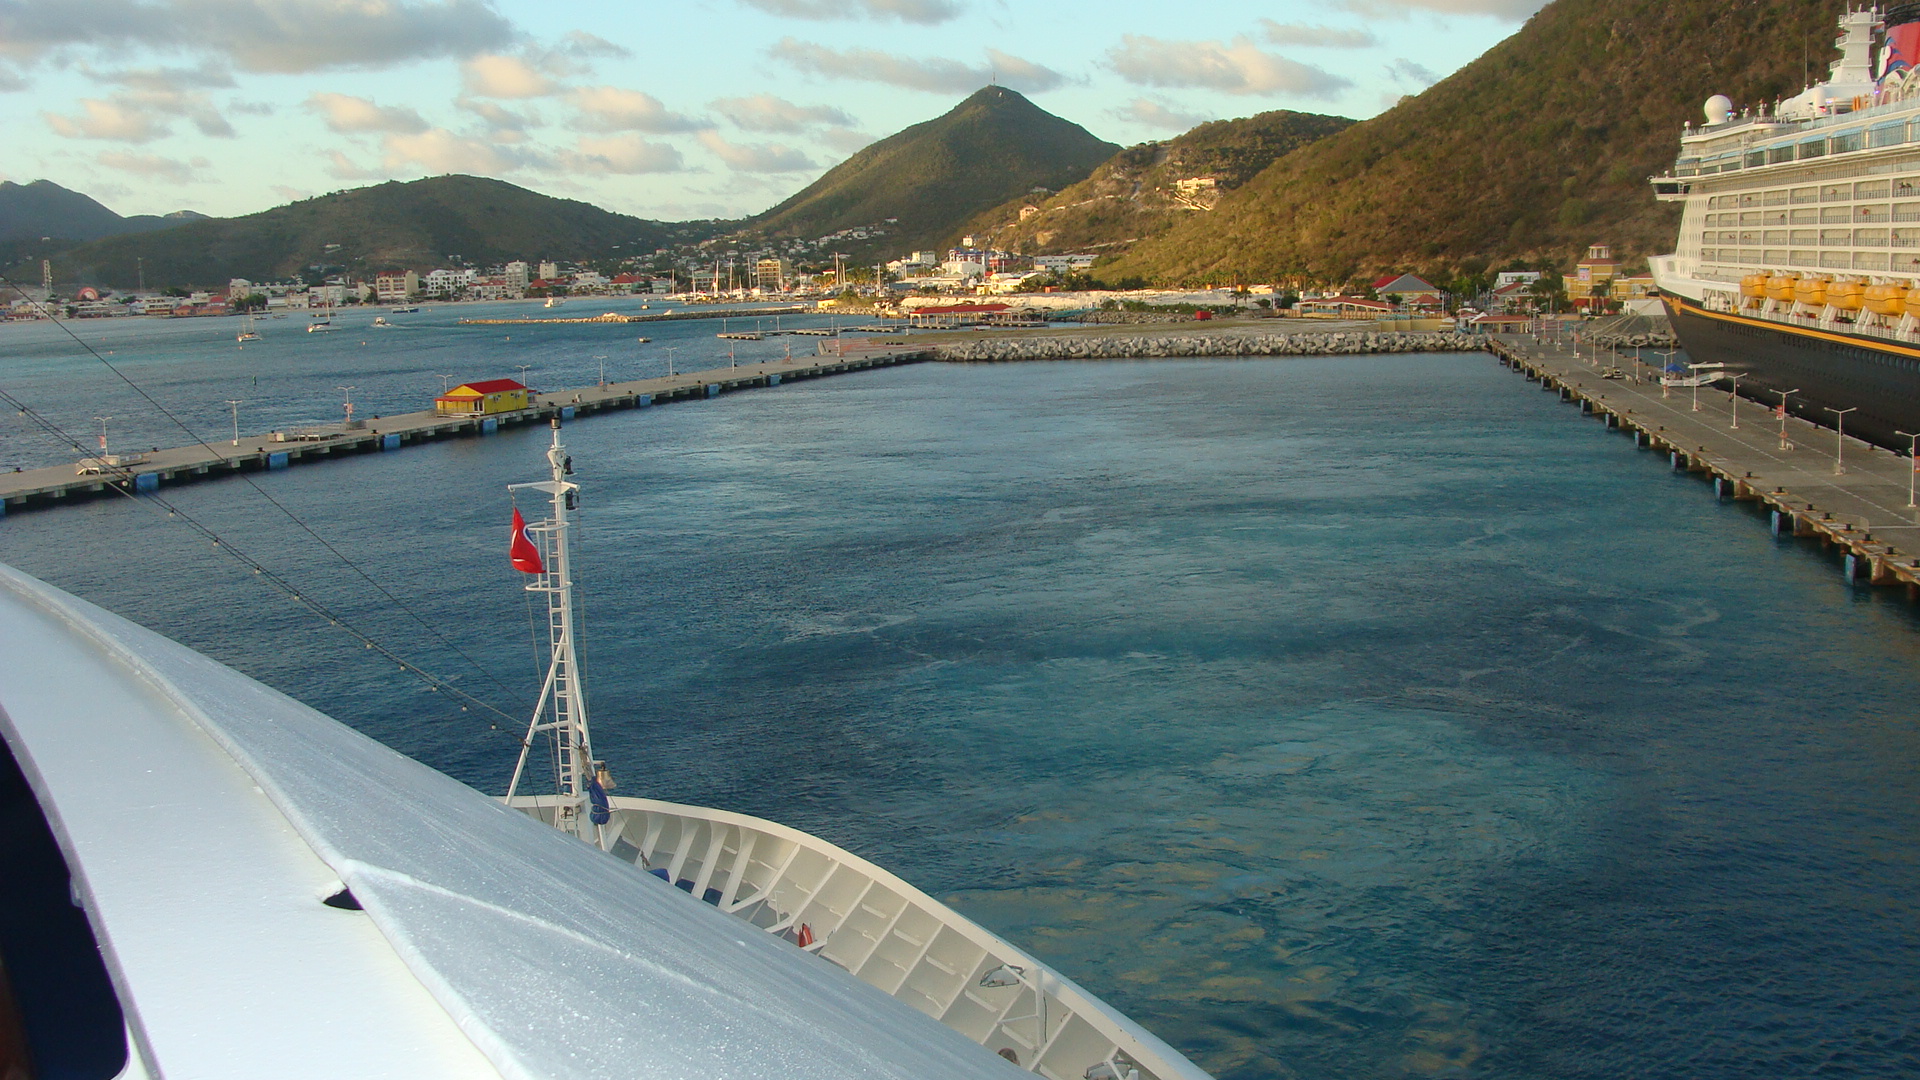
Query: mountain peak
{"points": [[935, 176]]}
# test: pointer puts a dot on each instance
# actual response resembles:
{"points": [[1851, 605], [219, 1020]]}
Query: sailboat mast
{"points": [[564, 689]]}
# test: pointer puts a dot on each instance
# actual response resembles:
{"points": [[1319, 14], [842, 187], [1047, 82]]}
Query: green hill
{"points": [[936, 176], [1135, 194], [387, 226], [1535, 150]]}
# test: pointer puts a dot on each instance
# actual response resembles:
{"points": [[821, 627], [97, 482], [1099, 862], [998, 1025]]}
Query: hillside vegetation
{"points": [[387, 226], [1134, 195], [1535, 150], [937, 176]]}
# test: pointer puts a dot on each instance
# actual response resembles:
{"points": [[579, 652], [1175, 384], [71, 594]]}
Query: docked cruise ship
{"points": [[1798, 264]]}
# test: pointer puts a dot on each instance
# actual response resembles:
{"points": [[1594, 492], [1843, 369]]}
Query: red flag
{"points": [[521, 552]]}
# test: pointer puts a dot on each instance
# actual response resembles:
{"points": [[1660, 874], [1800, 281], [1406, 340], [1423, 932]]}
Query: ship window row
{"points": [[1870, 237], [1894, 133], [1807, 258], [1831, 215], [1904, 187]]}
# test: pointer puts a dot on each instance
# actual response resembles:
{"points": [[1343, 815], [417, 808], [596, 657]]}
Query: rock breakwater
{"points": [[1173, 346]]}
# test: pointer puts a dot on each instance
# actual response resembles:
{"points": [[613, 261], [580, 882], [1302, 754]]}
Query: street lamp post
{"points": [[348, 390], [1840, 438], [1784, 395], [603, 371], [1913, 463], [445, 380], [234, 406], [670, 351], [103, 433], [1734, 396]]}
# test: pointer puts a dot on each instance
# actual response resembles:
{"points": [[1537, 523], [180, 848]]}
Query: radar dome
{"points": [[1719, 109]]}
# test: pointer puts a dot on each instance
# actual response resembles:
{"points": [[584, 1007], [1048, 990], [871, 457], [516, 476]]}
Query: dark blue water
{"points": [[1333, 717]]}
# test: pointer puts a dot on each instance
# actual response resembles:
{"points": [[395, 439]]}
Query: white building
{"points": [[549, 271], [445, 282], [1061, 264], [516, 277]]}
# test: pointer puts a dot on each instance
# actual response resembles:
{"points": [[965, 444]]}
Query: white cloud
{"points": [[1316, 37], [347, 114], [845, 140], [261, 35], [762, 158], [611, 108], [107, 120], [153, 167], [764, 112], [438, 150], [938, 76], [499, 119], [1238, 67], [498, 76], [622, 155], [342, 167], [579, 43], [164, 80], [1154, 114], [1513, 10], [925, 12], [1408, 71]]}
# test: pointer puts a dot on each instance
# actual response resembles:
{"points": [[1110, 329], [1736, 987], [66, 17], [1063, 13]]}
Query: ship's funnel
{"points": [[1901, 53]]}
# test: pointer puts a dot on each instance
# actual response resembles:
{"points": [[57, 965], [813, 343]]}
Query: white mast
{"points": [[578, 778]]}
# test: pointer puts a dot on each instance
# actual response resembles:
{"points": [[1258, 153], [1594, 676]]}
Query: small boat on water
{"points": [[319, 327], [380, 322], [404, 309], [555, 301], [246, 333]]}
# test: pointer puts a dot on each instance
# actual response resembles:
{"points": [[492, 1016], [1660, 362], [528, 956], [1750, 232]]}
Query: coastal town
{"points": [[1598, 285]]}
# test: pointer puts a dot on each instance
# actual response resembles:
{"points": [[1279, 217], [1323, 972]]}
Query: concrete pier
{"points": [[1861, 513], [59, 484]]}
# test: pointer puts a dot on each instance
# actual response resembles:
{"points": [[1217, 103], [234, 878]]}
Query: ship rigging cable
{"points": [[125, 487]]}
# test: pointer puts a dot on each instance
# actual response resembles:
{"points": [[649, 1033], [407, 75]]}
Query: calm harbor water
{"points": [[1332, 717]]}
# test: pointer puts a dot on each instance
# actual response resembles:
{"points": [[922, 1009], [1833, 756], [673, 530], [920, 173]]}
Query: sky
{"points": [[675, 111]]}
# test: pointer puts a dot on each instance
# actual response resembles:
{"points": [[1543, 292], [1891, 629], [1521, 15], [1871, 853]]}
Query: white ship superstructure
{"points": [[1800, 242]]}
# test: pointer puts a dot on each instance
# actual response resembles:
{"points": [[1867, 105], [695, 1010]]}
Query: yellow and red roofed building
{"points": [[1592, 284], [1408, 290], [487, 397]]}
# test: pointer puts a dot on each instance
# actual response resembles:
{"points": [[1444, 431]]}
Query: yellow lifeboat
{"points": [[1887, 299], [1780, 287], [1811, 291], [1754, 286], [1846, 295]]}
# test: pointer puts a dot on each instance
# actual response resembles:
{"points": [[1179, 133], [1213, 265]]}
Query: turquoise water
{"points": [[1332, 717]]}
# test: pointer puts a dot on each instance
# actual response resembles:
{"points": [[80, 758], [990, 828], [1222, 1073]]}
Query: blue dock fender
{"points": [[1852, 568], [1719, 487], [713, 389], [1776, 522], [566, 412], [277, 461], [642, 401], [489, 426], [773, 379], [1673, 458], [390, 441], [146, 481]]}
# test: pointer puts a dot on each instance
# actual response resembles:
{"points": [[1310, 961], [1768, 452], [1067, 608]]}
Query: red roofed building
{"points": [[483, 398], [1409, 290]]}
